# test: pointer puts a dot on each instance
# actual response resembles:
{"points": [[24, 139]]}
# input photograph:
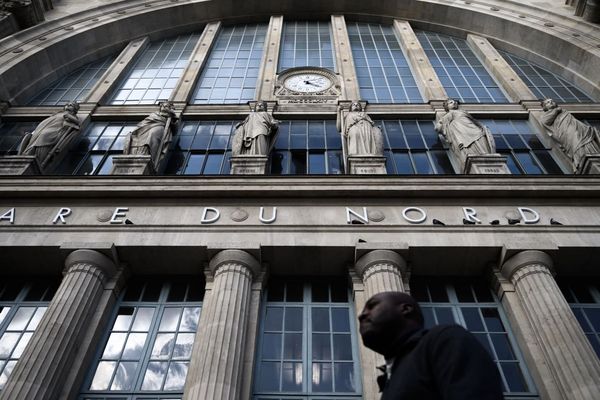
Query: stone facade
{"points": [[372, 230]]}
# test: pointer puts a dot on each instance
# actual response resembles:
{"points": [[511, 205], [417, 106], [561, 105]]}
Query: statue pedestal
{"points": [[486, 164], [19, 165], [132, 165], [366, 165], [590, 164], [248, 165]]}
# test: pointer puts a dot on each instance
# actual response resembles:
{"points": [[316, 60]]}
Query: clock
{"points": [[307, 82]]}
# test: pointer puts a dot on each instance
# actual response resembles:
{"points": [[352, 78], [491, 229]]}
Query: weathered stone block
{"points": [[486, 164], [366, 165], [590, 164], [249, 165], [19, 165], [132, 165]]}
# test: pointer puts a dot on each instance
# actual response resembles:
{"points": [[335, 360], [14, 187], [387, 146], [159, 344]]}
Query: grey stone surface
{"points": [[591, 164], [215, 370], [425, 75], [380, 271], [486, 164], [366, 165], [19, 165], [344, 59], [186, 84], [249, 165], [569, 354], [132, 165], [42, 369], [512, 84], [265, 84]]}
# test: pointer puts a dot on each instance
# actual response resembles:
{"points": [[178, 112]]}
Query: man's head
{"points": [[548, 104], [387, 317]]}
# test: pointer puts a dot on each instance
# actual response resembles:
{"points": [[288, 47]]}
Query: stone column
{"points": [[265, 84], [425, 76], [344, 59], [381, 271], [47, 360], [183, 91], [570, 356], [113, 74], [533, 353], [216, 370], [512, 84]]}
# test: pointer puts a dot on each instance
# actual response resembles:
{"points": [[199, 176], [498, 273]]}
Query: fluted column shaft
{"points": [[570, 356], [215, 371], [42, 369], [381, 271]]}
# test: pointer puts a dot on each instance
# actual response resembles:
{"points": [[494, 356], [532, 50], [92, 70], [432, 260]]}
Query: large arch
{"points": [[32, 58]]}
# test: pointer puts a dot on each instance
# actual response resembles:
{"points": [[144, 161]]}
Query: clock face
{"points": [[307, 83]]}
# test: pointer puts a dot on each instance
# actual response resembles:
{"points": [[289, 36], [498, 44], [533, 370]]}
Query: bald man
{"points": [[445, 362]]}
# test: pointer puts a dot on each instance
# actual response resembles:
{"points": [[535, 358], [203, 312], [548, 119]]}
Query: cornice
{"points": [[542, 188]]}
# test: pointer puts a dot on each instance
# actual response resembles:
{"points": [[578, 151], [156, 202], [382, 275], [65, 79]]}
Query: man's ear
{"points": [[406, 308]]}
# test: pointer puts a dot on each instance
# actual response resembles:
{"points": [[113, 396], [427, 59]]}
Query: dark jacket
{"points": [[445, 363]]}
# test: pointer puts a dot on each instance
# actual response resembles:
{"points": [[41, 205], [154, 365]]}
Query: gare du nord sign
{"points": [[297, 215]]}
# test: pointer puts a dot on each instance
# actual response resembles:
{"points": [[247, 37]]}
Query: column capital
{"points": [[524, 259], [95, 258], [376, 257], [234, 256]]}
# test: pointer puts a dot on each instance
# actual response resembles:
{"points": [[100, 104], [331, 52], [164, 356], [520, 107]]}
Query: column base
{"points": [[590, 165], [19, 165], [494, 164], [248, 165], [366, 165], [132, 165]]}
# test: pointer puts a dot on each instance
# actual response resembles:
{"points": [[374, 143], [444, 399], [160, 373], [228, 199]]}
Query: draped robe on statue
{"points": [[465, 135], [146, 139], [363, 137], [49, 133], [252, 135], [576, 138]]}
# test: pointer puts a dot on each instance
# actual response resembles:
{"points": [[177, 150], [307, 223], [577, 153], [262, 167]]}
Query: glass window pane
{"points": [[148, 73], [345, 380], [538, 78], [459, 70], [322, 379], [320, 319], [155, 375], [237, 46], [382, 67]]}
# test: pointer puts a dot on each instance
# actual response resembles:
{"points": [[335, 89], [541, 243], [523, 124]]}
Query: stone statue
{"points": [[153, 135], [363, 137], [256, 134], [463, 133], [52, 135], [575, 138]]}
